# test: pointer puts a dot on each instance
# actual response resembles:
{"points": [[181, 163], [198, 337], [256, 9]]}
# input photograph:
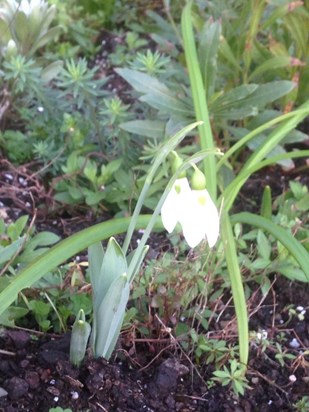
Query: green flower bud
{"points": [[176, 164], [198, 181], [79, 339]]}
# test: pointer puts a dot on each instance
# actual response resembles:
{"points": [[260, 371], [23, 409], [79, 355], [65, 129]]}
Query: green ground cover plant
{"points": [[227, 101]]}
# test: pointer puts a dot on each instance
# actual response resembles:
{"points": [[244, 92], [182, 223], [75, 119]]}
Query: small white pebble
{"points": [[292, 378], [56, 398], [27, 204], [52, 382], [300, 308], [294, 343], [281, 321], [8, 176], [75, 395], [270, 402], [262, 335], [22, 181]]}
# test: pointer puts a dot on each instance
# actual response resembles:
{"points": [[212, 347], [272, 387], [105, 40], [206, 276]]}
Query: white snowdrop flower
{"points": [[192, 208], [172, 209]]}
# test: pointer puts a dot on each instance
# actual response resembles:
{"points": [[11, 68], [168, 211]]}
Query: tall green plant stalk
{"points": [[199, 100], [207, 141]]}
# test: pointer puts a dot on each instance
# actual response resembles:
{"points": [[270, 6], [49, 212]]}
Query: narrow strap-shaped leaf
{"points": [[199, 98], [237, 287]]}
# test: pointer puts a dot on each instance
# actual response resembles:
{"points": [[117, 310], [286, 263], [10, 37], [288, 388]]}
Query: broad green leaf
{"points": [[303, 204], [42, 239], [293, 273], [20, 224], [264, 246], [295, 248], [51, 71], [74, 192], [47, 37], [246, 100], [107, 171], [95, 259], [154, 92], [35, 246], [166, 104], [90, 171], [143, 83], [273, 63], [208, 49], [114, 265], [7, 252], [22, 30], [8, 317], [110, 315], [154, 129], [94, 198], [5, 32], [233, 96], [269, 92]]}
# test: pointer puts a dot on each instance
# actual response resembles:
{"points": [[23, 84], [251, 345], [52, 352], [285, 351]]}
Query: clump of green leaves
{"points": [[302, 405], [233, 376]]}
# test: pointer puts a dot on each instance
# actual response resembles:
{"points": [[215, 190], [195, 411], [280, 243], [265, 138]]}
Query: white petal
{"points": [[25, 7], [212, 226], [171, 209], [201, 219]]}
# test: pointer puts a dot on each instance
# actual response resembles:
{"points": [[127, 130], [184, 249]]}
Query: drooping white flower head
{"points": [[193, 209], [202, 218]]}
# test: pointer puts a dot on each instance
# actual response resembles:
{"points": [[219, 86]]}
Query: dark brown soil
{"points": [[36, 374]]}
